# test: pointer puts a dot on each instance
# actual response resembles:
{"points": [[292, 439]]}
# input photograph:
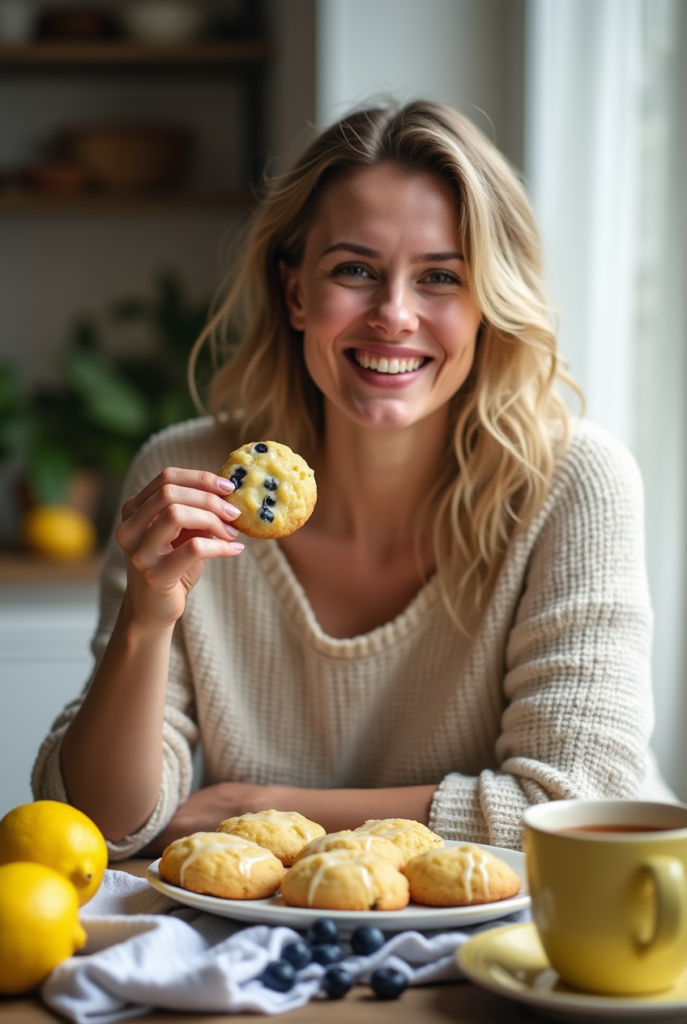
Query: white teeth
{"points": [[384, 365]]}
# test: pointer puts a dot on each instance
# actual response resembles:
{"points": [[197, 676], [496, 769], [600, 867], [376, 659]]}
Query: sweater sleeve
{"points": [[180, 731], [578, 709]]}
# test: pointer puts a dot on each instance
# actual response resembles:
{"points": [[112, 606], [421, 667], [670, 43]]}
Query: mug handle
{"points": [[668, 877]]}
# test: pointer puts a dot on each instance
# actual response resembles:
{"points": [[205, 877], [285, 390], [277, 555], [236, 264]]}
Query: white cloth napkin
{"points": [[144, 951]]}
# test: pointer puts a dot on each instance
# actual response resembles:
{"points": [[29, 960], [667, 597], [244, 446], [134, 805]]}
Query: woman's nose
{"points": [[393, 310]]}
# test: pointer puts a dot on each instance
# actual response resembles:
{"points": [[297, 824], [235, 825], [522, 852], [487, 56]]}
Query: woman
{"points": [[462, 628]]}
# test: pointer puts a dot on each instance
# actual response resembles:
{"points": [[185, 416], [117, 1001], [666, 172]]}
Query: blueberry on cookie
{"points": [[274, 489]]}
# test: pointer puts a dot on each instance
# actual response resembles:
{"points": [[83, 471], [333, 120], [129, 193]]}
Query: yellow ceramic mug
{"points": [[608, 880]]}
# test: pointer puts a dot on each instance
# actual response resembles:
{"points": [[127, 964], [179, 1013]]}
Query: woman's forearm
{"points": [[112, 752], [334, 809], [337, 809]]}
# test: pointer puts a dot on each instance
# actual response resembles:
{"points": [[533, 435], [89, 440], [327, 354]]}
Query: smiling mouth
{"points": [[382, 365]]}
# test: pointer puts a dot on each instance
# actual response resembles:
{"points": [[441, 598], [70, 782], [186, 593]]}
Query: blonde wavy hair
{"points": [[508, 422]]}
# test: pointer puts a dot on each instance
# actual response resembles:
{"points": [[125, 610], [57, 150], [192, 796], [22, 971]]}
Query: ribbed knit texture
{"points": [[549, 699]]}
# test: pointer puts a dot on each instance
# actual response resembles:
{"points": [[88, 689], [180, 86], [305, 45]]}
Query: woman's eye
{"points": [[441, 277], [352, 270]]}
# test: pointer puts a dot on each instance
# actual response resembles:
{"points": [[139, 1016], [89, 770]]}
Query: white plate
{"points": [[274, 911], [511, 962]]}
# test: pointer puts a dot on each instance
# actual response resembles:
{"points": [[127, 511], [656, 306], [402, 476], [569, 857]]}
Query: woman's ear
{"points": [[292, 295]]}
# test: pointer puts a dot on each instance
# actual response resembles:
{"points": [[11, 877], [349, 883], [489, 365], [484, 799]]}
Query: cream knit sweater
{"points": [[550, 698]]}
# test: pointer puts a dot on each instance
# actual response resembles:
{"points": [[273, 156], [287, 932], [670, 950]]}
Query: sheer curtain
{"points": [[606, 161]]}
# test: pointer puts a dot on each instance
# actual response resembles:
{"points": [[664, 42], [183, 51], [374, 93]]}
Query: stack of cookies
{"points": [[381, 865]]}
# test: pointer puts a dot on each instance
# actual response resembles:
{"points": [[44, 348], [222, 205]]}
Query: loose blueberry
{"points": [[279, 975], [388, 983], [322, 930], [366, 940], [298, 954], [327, 953], [271, 484], [269, 501], [261, 447], [265, 514], [337, 981]]}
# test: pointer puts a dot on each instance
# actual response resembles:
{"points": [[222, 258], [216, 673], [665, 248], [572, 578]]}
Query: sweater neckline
{"points": [[288, 590]]}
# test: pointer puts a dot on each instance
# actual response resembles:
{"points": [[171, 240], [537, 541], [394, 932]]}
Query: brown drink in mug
{"points": [[608, 880]]}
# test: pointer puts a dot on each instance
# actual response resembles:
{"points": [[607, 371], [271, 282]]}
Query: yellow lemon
{"points": [[58, 531], [39, 925], [57, 835]]}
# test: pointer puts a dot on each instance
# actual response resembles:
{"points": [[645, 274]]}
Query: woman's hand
{"points": [[167, 533], [206, 808]]}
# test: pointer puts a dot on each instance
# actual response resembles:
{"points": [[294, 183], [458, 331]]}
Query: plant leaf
{"points": [[49, 470], [110, 400]]}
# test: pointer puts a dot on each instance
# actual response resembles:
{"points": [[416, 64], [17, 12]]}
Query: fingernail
{"points": [[232, 531], [232, 511], [236, 547], [224, 484]]}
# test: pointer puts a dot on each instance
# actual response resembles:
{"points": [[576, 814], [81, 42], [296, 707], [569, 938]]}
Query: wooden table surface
{"points": [[460, 1002]]}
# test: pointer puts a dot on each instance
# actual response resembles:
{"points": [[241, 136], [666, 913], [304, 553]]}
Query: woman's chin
{"points": [[385, 414]]}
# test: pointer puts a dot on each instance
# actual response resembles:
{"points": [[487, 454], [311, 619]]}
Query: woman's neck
{"points": [[371, 483]]}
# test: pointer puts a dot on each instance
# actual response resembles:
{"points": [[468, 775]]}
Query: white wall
{"points": [[464, 52], [45, 660]]}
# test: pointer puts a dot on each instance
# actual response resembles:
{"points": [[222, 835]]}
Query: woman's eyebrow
{"points": [[364, 250], [438, 257], [359, 250]]}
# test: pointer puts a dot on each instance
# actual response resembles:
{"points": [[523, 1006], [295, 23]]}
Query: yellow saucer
{"points": [[510, 961]]}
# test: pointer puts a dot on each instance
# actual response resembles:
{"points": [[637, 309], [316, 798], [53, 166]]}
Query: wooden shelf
{"points": [[116, 202], [223, 54], [16, 567]]}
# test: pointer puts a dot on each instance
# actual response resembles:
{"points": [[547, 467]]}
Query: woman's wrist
{"points": [[135, 625]]}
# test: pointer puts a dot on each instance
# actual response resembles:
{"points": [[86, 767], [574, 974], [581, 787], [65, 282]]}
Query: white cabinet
{"points": [[45, 659]]}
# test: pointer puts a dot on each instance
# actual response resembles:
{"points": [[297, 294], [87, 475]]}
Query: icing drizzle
{"points": [[288, 819], [331, 859], [201, 843]]}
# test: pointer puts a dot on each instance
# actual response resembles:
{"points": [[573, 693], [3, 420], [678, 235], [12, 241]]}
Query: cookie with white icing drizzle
{"points": [[361, 842], [460, 876], [345, 880], [274, 489], [221, 865], [408, 836], [285, 833]]}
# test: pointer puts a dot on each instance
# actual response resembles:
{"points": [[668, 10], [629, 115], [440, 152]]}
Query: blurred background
{"points": [[131, 133]]}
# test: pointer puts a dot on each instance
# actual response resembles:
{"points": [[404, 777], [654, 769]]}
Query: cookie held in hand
{"points": [[274, 489]]}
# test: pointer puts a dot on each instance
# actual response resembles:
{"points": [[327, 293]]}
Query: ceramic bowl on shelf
{"points": [[164, 21], [129, 156]]}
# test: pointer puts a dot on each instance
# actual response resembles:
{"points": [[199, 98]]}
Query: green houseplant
{"points": [[105, 405]]}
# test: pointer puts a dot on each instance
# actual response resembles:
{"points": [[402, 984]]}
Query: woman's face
{"points": [[388, 321]]}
